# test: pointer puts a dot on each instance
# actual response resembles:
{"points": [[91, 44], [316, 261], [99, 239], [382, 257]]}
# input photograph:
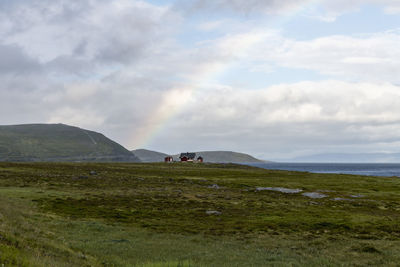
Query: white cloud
{"points": [[310, 102], [211, 25], [326, 10], [84, 117], [244, 6], [330, 10], [93, 63], [116, 31], [340, 6], [373, 57], [291, 117]]}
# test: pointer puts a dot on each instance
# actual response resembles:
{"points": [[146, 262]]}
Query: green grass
{"points": [[54, 214]]}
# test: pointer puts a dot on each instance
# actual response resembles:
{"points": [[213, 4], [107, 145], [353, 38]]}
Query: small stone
{"points": [[214, 186], [93, 173], [82, 256], [213, 212], [314, 195], [279, 189]]}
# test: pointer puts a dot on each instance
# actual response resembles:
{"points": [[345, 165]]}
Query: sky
{"points": [[276, 79]]}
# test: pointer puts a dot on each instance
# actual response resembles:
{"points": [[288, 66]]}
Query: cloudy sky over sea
{"points": [[277, 79]]}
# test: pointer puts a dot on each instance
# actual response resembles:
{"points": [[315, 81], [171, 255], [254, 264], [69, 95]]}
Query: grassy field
{"points": [[148, 214]]}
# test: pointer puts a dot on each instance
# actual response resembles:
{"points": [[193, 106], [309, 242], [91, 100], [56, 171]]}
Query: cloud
{"points": [[329, 11], [340, 6], [317, 116], [117, 67], [304, 102], [369, 57], [245, 6], [14, 60], [326, 10], [93, 63], [102, 32]]}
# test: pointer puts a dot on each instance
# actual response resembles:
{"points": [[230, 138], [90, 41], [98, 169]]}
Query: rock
{"points": [[214, 186], [213, 212], [93, 173], [279, 189], [314, 195], [82, 256]]}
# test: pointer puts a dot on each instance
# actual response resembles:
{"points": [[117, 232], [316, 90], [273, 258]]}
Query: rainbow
{"points": [[172, 102], [175, 99]]}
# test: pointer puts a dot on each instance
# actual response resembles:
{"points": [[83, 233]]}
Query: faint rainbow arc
{"points": [[176, 98], [173, 101]]}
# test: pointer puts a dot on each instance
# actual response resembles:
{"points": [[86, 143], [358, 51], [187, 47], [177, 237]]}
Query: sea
{"points": [[369, 169]]}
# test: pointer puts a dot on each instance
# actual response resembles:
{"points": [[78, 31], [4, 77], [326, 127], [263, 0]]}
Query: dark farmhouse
{"points": [[190, 157], [187, 156]]}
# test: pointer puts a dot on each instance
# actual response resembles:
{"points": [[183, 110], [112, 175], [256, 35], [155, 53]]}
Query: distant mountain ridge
{"points": [[208, 156], [227, 157], [149, 156], [59, 142]]}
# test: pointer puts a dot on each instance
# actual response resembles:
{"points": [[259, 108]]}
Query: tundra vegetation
{"points": [[185, 214]]}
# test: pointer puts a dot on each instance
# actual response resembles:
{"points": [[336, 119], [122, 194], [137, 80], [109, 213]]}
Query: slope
{"points": [[227, 157], [149, 156], [58, 142]]}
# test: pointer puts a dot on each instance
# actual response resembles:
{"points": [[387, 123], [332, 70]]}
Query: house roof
{"points": [[188, 155]]}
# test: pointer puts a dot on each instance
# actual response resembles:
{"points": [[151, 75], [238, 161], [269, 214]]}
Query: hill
{"points": [[227, 157], [209, 156], [149, 156], [58, 142]]}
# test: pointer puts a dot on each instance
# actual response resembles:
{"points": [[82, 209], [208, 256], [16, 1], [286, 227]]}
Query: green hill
{"points": [[149, 156], [58, 142], [209, 156], [227, 157]]}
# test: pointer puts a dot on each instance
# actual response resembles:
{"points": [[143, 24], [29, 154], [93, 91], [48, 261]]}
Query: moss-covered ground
{"points": [[155, 214]]}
